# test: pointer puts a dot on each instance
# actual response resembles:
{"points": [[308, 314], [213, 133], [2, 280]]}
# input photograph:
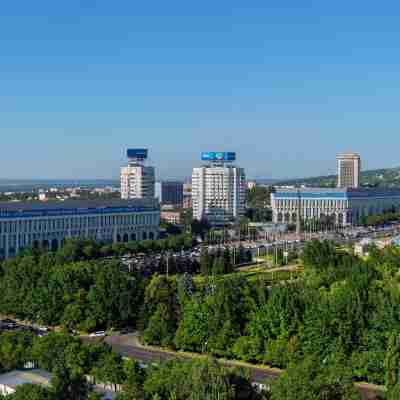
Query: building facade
{"points": [[172, 217], [218, 189], [344, 206], [349, 170], [187, 196], [170, 193], [47, 225], [137, 179], [251, 185]]}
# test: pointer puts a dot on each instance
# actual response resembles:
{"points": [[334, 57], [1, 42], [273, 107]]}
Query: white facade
{"points": [[137, 182], [343, 206], [47, 225], [218, 193]]}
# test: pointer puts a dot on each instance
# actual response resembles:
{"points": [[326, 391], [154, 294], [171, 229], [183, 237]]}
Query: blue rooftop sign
{"points": [[140, 154], [218, 156]]}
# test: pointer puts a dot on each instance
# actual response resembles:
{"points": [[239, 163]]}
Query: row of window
{"points": [[52, 224], [311, 203]]}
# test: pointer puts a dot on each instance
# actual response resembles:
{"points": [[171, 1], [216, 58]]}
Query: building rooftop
{"points": [[335, 192], [17, 378], [348, 155], [77, 205]]}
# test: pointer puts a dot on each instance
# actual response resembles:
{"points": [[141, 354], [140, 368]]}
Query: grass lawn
{"points": [[259, 272]]}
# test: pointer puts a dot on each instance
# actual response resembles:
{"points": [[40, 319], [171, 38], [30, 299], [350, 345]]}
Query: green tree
{"points": [[392, 362], [68, 386], [31, 392], [205, 261], [161, 328], [309, 380], [133, 385]]}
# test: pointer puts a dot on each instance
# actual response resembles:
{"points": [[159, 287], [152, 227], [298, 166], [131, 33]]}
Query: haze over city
{"points": [[285, 84]]}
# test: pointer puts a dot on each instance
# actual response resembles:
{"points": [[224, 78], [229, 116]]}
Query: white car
{"points": [[98, 334]]}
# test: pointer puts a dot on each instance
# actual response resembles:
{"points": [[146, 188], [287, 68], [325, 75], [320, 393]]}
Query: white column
{"points": [[7, 245], [17, 237]]}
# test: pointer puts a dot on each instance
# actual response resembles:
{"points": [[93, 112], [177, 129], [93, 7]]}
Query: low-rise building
{"points": [[172, 217], [48, 224], [11, 380], [344, 206]]}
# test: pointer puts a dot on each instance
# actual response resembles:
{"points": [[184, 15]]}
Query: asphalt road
{"points": [[259, 375], [149, 357]]}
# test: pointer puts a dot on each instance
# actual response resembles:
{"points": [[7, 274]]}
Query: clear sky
{"points": [[285, 83]]}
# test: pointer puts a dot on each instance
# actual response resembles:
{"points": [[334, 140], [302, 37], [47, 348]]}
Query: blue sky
{"points": [[285, 83]]}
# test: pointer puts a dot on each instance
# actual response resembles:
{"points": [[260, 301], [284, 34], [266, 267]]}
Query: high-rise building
{"points": [[218, 189], [170, 193], [349, 170], [137, 179]]}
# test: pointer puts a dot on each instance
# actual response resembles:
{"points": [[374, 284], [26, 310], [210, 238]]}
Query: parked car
{"points": [[98, 334]]}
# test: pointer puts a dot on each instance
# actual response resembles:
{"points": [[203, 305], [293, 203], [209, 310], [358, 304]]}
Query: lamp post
{"points": [[298, 217]]}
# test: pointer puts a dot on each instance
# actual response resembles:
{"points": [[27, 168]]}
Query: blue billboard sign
{"points": [[140, 154], [218, 156]]}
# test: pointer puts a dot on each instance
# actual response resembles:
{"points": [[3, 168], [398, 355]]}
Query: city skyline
{"points": [[186, 173], [286, 86]]}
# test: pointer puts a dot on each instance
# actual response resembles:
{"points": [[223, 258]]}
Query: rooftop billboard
{"points": [[218, 156], [140, 154]]}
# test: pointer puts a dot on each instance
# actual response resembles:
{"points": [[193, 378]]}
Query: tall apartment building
{"points": [[218, 189], [137, 179], [349, 170], [170, 193]]}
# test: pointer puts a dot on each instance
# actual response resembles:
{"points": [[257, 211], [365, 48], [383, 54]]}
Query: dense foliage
{"points": [[85, 295], [258, 200], [383, 178], [344, 309], [66, 358], [71, 363], [376, 220], [339, 323], [79, 250]]}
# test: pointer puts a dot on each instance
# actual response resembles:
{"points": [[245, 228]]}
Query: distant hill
{"points": [[19, 185], [386, 177]]}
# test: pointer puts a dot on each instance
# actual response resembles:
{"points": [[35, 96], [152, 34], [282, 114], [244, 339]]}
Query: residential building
{"points": [[349, 170], [137, 179], [48, 224], [170, 193], [344, 206], [218, 189]]}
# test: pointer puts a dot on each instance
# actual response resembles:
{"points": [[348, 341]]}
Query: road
{"points": [[125, 345]]}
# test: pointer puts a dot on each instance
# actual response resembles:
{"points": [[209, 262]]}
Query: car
{"points": [[126, 331], [98, 334], [43, 329]]}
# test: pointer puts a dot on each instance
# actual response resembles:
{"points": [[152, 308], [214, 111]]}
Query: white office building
{"points": [[218, 189], [347, 206], [137, 179], [47, 224]]}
